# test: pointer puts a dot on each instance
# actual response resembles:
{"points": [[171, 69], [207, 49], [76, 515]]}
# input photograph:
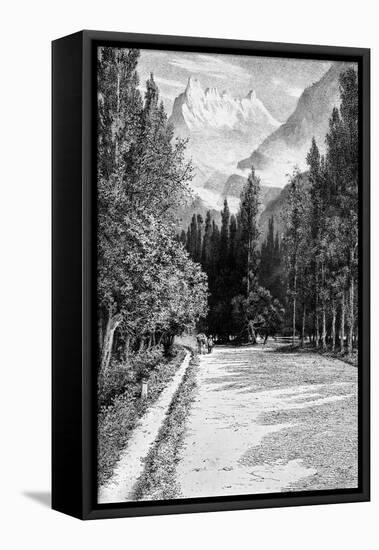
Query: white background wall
{"points": [[27, 29]]}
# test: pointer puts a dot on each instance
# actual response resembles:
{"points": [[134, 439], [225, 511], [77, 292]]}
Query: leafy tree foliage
{"points": [[148, 287]]}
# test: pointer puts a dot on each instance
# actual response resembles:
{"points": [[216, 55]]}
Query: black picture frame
{"points": [[73, 272]]}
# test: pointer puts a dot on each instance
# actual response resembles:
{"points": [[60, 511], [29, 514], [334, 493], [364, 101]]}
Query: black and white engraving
{"points": [[227, 275]]}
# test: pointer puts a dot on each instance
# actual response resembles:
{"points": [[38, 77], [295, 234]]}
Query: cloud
{"points": [[162, 93], [167, 82], [211, 65], [293, 91]]}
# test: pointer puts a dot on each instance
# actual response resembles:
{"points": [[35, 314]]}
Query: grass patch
{"points": [[158, 481], [117, 420]]}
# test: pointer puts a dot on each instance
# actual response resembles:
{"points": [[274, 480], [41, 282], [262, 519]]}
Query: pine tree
{"points": [[206, 246], [193, 238], [249, 210], [199, 238], [232, 241], [215, 246], [224, 236]]}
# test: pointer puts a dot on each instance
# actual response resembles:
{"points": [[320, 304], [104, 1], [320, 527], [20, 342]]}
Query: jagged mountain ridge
{"points": [[288, 145], [219, 128], [197, 109], [277, 207]]}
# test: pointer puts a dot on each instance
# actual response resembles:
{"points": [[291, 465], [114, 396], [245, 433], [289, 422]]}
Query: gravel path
{"points": [[265, 421], [131, 464]]}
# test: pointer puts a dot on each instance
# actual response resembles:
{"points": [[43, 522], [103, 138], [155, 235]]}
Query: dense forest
{"points": [[243, 278], [304, 281]]}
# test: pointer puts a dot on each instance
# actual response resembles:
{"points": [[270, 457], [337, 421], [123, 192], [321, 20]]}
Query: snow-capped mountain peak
{"points": [[199, 109], [220, 129]]}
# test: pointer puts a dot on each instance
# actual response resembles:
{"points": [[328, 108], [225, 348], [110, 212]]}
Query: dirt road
{"points": [[265, 421]]}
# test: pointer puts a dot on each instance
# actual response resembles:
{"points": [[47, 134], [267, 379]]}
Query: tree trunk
{"points": [[333, 326], [168, 343], [112, 324], [149, 342], [323, 327], [251, 333], [141, 345], [356, 338], [127, 345], [100, 331], [303, 327], [294, 307], [351, 316], [317, 328], [248, 270], [342, 331], [317, 318]]}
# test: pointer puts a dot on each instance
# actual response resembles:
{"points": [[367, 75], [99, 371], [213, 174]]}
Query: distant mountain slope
{"points": [[234, 185], [216, 181], [276, 208], [195, 206], [200, 203], [288, 145]]}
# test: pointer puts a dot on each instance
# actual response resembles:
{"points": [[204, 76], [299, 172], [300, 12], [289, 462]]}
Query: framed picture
{"points": [[210, 275]]}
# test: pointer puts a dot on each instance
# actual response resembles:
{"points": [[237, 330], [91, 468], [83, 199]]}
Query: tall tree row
{"points": [[312, 268], [148, 287], [321, 239]]}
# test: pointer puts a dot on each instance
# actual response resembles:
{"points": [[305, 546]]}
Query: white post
{"points": [[144, 389]]}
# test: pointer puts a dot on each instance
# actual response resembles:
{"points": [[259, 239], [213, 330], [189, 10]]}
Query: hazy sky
{"points": [[278, 82]]}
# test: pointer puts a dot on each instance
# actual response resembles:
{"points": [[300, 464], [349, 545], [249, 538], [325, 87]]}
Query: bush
{"points": [[115, 424], [145, 362], [288, 331], [122, 377], [114, 382]]}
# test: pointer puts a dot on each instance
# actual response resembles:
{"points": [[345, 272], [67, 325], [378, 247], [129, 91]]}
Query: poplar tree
{"points": [[224, 235], [206, 244], [296, 241], [248, 216]]}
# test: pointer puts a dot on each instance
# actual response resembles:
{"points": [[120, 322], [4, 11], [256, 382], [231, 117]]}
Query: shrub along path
{"points": [[264, 421], [131, 463]]}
